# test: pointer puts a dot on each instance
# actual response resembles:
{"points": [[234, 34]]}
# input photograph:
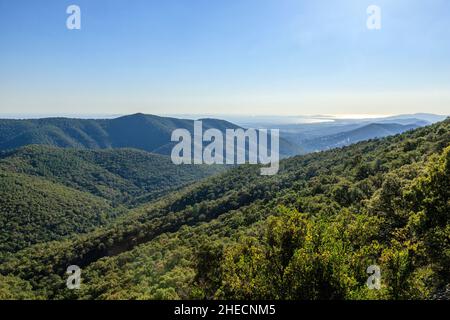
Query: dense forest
{"points": [[47, 193], [309, 232], [123, 176]]}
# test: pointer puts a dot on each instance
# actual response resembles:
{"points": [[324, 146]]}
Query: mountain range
{"points": [[366, 132], [145, 132], [153, 133]]}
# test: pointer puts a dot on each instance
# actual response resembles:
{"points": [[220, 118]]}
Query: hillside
{"points": [[145, 132], [309, 232], [33, 210], [47, 193], [367, 132], [123, 176]]}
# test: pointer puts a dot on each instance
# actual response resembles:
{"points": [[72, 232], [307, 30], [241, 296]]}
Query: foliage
{"points": [[309, 232]]}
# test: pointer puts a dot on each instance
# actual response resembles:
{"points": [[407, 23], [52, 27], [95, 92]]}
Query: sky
{"points": [[261, 57]]}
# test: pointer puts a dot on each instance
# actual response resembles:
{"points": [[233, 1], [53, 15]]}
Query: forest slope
{"points": [[123, 176]]}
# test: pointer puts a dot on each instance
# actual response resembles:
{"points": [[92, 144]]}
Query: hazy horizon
{"points": [[299, 118]]}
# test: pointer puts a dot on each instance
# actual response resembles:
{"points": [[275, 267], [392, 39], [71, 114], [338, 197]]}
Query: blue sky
{"points": [[283, 57]]}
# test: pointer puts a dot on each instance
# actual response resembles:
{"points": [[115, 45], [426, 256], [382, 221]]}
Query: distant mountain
{"points": [[427, 117], [367, 132], [146, 132], [299, 129]]}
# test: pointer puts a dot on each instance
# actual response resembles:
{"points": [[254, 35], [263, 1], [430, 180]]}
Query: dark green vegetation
{"points": [[47, 193], [34, 210], [123, 176], [140, 131], [309, 232]]}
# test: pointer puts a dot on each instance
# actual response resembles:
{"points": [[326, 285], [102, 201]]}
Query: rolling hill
{"points": [[123, 176], [145, 132], [48, 193]]}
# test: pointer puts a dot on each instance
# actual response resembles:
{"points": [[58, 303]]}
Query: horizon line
{"points": [[338, 116]]}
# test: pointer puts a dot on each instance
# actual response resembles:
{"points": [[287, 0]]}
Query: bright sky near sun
{"points": [[225, 56]]}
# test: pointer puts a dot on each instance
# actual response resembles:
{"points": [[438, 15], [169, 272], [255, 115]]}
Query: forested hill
{"points": [[140, 131], [309, 232], [123, 176], [47, 193], [35, 210]]}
